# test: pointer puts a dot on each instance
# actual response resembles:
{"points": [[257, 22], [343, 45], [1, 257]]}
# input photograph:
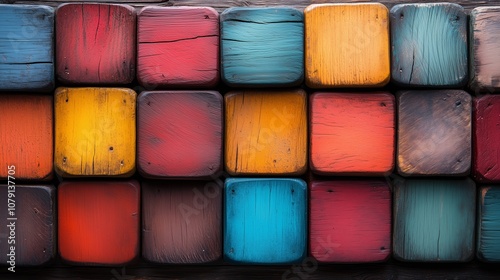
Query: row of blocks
{"points": [[338, 45]]}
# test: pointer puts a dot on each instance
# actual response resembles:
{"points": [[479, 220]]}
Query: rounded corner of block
{"points": [[397, 8]]}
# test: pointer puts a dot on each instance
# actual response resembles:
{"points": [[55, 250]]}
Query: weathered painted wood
{"points": [[266, 132], [352, 133], [179, 133], [181, 222], [178, 47], [98, 222], [265, 220], [350, 221], [434, 220], [96, 44], [434, 132], [429, 45], [26, 136], [262, 46], [35, 227], [95, 131], [347, 45], [484, 39], [488, 234], [26, 48]]}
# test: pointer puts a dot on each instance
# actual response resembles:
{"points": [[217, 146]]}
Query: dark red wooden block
{"points": [[181, 221], [486, 138], [178, 47], [179, 133], [95, 43], [350, 221]]}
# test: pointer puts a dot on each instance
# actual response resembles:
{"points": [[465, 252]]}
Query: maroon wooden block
{"points": [[179, 133], [178, 47], [181, 221], [95, 43], [486, 138]]}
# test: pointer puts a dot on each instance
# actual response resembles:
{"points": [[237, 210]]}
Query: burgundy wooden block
{"points": [[178, 47], [350, 220], [95, 43], [181, 222], [179, 133], [486, 138]]}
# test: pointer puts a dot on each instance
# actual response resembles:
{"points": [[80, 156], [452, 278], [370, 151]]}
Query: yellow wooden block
{"points": [[347, 45], [95, 131], [266, 132]]}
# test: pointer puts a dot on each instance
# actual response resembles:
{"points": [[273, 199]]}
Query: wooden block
{"points": [[33, 232], [95, 43], [350, 221], [488, 236], [26, 48], [434, 132], [434, 220], [26, 125], [265, 220], [485, 43], [262, 46], [347, 45], [352, 133], [95, 131], [178, 47], [181, 222], [98, 222], [429, 45], [266, 132], [179, 133]]}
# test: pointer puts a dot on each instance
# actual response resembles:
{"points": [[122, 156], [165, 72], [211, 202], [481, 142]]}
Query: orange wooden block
{"points": [[352, 133], [266, 132], [26, 136], [347, 45]]}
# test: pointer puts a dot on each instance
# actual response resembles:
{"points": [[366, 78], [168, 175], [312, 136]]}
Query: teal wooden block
{"points": [[26, 48], [262, 46], [434, 220], [488, 234], [265, 221], [429, 45]]}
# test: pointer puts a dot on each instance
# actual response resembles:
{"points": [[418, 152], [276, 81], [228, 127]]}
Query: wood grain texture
{"points": [[488, 235], [434, 132], [352, 133], [95, 131], [262, 46], [266, 132], [98, 222], [350, 221], [26, 48], [178, 47], [95, 44], [179, 133], [429, 45], [347, 45], [26, 136], [181, 222], [484, 39], [265, 220], [35, 227], [434, 220]]}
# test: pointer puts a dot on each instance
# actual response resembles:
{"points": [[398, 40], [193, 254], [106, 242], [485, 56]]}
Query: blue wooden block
{"points": [[26, 48], [434, 220], [262, 46], [429, 45], [265, 220], [488, 237]]}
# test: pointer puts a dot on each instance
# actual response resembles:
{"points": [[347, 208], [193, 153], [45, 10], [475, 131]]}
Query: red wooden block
{"points": [[179, 133], [352, 133], [178, 47], [98, 222], [486, 138], [95, 43], [350, 221]]}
